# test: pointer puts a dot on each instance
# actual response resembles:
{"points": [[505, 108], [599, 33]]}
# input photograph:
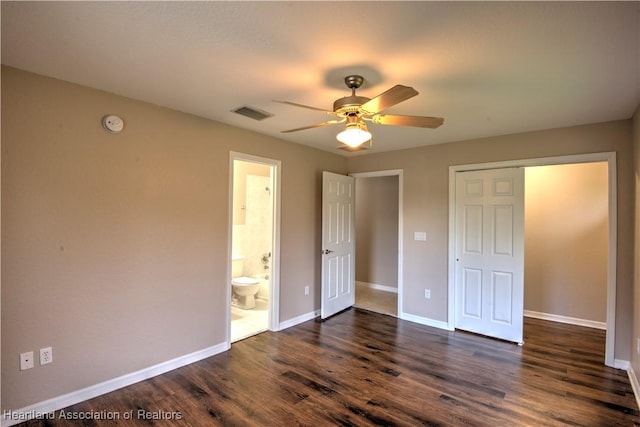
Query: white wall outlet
{"points": [[46, 355], [427, 294], [638, 346], [26, 360], [306, 290], [420, 235]]}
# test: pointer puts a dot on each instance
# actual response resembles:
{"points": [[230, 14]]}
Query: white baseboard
{"points": [[378, 287], [46, 408], [621, 364], [565, 319], [633, 379], [297, 320], [425, 321]]}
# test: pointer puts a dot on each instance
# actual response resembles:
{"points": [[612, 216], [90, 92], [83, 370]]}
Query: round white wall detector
{"points": [[113, 123]]}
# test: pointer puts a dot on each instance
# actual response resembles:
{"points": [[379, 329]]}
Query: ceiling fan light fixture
{"points": [[354, 135]]}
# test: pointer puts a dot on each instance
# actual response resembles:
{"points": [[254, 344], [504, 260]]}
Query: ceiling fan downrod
{"points": [[350, 104]]}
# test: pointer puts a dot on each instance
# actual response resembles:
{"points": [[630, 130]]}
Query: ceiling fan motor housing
{"points": [[349, 104]]}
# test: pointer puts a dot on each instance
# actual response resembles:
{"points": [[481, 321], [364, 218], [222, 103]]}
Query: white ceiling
{"points": [[487, 68]]}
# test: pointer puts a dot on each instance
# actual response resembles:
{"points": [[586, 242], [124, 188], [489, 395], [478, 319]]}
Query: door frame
{"points": [[399, 174], [610, 158], [274, 282]]}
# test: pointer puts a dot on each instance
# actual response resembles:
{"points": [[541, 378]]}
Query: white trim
{"points": [[539, 161], [274, 289], [375, 174], [274, 282], [451, 273], [621, 364], [425, 321], [60, 402], [566, 319], [400, 239], [633, 379], [610, 345], [298, 320], [400, 174], [375, 286], [610, 158]]}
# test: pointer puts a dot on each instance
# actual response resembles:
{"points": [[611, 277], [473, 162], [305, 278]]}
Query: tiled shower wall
{"points": [[253, 238]]}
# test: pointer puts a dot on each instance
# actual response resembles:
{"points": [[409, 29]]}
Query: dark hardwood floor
{"points": [[360, 368]]}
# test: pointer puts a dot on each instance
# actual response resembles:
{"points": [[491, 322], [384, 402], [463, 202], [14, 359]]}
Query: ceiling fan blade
{"points": [[306, 106], [387, 99], [317, 125], [416, 121]]}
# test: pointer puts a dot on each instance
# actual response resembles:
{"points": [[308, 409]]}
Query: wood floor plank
{"points": [[364, 369]]}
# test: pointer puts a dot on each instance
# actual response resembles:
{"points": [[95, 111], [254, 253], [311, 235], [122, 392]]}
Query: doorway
{"points": [[253, 250], [378, 241], [610, 160], [566, 222]]}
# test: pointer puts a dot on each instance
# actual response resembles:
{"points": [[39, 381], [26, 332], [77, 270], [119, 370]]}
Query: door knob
{"points": [[327, 252]]}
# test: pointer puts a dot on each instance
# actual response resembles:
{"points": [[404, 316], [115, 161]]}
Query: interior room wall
{"points": [[566, 240], [426, 206], [377, 230], [115, 245]]}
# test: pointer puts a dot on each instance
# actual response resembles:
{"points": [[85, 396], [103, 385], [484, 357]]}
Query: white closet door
{"points": [[489, 273]]}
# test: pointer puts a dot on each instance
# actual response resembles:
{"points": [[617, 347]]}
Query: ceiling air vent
{"points": [[252, 113]]}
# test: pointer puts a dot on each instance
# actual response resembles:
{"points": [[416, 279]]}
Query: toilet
{"points": [[244, 288]]}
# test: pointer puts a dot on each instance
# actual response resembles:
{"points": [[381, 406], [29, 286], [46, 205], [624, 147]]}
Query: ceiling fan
{"points": [[355, 110]]}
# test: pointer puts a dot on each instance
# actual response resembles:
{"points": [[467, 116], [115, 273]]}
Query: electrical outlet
{"points": [[306, 290], [638, 346], [420, 235], [26, 360], [46, 355], [427, 294]]}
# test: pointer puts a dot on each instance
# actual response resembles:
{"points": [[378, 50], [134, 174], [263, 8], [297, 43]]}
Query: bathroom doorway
{"points": [[253, 267]]}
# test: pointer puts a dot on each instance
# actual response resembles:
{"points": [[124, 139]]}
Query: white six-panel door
{"points": [[338, 243], [489, 250]]}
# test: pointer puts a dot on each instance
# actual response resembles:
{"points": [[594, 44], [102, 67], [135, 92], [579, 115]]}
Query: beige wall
{"points": [[115, 246], [566, 240], [635, 358], [426, 204], [377, 230]]}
